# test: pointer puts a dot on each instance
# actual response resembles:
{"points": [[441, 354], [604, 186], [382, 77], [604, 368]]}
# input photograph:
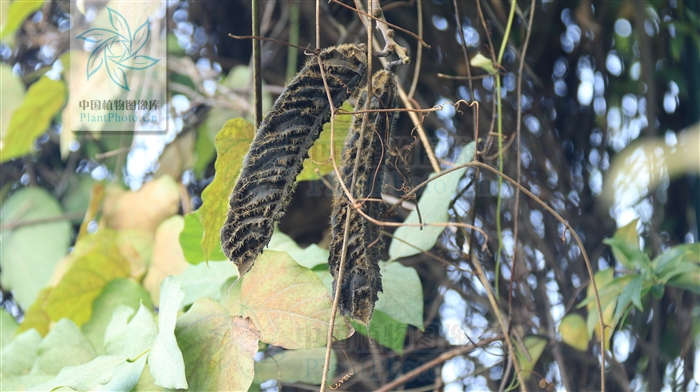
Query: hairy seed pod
{"points": [[362, 280], [267, 180]]}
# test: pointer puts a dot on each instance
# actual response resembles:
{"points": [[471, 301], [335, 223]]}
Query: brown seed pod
{"points": [[362, 280], [264, 188]]}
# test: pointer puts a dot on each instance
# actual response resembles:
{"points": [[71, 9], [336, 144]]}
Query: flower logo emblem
{"points": [[117, 49]]}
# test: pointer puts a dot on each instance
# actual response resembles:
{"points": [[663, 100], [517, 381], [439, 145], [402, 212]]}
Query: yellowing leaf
{"points": [[41, 103], [607, 302], [167, 258], [35, 317], [288, 303], [480, 61], [144, 209], [232, 144], [320, 152], [84, 281], [17, 12], [219, 349], [574, 332], [535, 346], [12, 94]]}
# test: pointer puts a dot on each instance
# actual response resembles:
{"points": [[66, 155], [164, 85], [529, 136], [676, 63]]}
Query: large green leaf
{"points": [[84, 281], [232, 144], [29, 253], [320, 152], [63, 346], [191, 241], [402, 296], [17, 358], [219, 349], [119, 292], [83, 377], [165, 358], [17, 12], [288, 303], [385, 330], [292, 366], [309, 257], [434, 205], [205, 281], [42, 102]]}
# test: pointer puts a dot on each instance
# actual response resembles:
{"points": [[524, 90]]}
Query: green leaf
{"points": [[130, 338], [402, 298], [631, 294], [78, 196], [63, 346], [288, 303], [219, 348], [666, 263], [191, 241], [320, 152], [625, 247], [535, 347], [608, 299], [205, 281], [165, 358], [43, 101], [84, 281], [118, 292], [12, 86], [434, 205], [480, 61], [17, 358], [689, 281], [83, 377], [295, 366], [8, 326], [573, 331], [385, 330], [309, 257], [29, 254], [17, 12], [232, 144]]}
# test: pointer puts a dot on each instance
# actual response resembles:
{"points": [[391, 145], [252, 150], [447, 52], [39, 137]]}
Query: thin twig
{"points": [[267, 39], [440, 359], [57, 218], [257, 59], [499, 315], [419, 51], [432, 256], [412, 34], [518, 116]]}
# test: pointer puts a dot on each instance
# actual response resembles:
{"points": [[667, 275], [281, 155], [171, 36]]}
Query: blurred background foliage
{"points": [[610, 140]]}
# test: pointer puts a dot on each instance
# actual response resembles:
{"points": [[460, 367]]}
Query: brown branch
{"points": [[30, 222], [440, 359]]}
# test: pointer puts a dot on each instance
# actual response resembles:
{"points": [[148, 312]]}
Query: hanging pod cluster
{"points": [[268, 177]]}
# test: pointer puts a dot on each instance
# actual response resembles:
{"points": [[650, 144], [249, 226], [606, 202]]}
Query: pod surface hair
{"points": [[361, 280], [267, 180]]}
